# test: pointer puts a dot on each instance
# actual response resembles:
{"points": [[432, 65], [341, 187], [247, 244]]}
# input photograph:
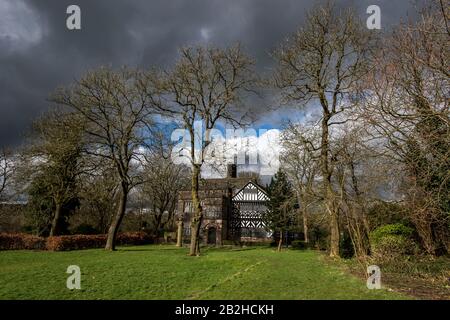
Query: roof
{"points": [[225, 183]]}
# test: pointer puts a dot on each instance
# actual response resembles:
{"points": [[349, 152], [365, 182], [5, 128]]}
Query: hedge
{"points": [[21, 241], [133, 238], [75, 242]]}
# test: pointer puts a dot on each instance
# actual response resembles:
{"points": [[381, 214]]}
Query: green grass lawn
{"points": [[166, 272]]}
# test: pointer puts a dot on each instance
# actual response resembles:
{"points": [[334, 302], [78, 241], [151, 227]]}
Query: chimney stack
{"points": [[231, 170]]}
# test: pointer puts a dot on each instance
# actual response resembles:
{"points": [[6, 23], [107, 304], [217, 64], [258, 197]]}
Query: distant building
{"points": [[233, 210]]}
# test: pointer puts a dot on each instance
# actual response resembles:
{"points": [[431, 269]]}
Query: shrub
{"points": [[133, 238], [75, 242], [300, 245], [346, 248], [319, 237], [21, 241], [85, 228], [78, 242], [391, 229], [391, 240], [322, 244]]}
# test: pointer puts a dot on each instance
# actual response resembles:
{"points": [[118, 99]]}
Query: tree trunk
{"points": [[304, 215], [197, 216], [334, 226], [180, 233], [114, 228], [157, 219], [305, 226], [55, 221], [331, 204], [195, 238], [280, 242], [327, 187]]}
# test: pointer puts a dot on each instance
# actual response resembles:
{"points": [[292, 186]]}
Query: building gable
{"points": [[251, 192]]}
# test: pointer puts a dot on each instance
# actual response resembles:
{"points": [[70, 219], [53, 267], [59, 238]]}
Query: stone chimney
{"points": [[231, 170]]}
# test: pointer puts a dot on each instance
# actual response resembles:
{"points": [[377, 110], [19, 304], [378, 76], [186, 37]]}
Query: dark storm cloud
{"points": [[38, 53]]}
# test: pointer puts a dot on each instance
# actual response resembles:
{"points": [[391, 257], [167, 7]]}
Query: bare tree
{"points": [[6, 170], [408, 106], [322, 63], [301, 164], [162, 181], [354, 180], [117, 107], [206, 85], [99, 190]]}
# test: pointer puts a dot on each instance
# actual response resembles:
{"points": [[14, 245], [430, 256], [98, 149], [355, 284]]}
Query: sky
{"points": [[38, 53]]}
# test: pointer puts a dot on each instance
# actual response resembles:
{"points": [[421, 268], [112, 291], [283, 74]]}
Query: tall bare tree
{"points": [[300, 161], [117, 107], [162, 181], [409, 107], [355, 182], [99, 189], [206, 85], [6, 170], [322, 63]]}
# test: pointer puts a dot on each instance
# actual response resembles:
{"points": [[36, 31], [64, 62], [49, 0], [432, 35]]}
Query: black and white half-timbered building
{"points": [[233, 210]]}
